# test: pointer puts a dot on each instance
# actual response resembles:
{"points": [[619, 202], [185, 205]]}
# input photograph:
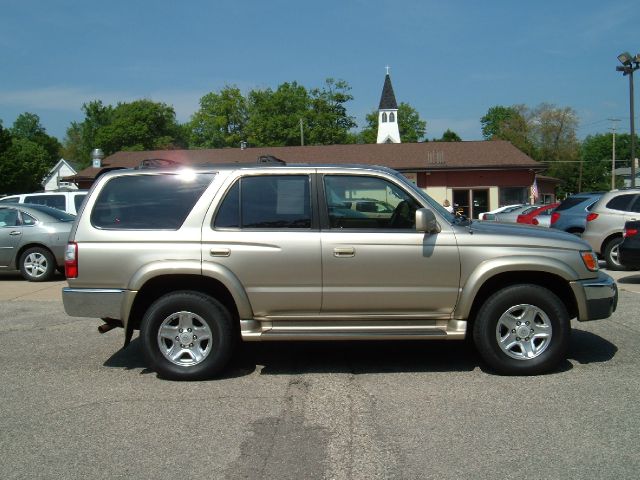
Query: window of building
{"points": [[384, 117], [392, 117], [267, 202], [513, 195]]}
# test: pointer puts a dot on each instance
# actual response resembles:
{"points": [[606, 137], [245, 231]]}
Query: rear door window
{"points": [[148, 202], [267, 202]]}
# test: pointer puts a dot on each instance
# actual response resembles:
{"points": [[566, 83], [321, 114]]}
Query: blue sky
{"points": [[451, 60]]}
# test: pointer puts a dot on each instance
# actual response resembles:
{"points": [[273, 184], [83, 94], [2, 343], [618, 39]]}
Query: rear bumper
{"points": [[597, 298], [97, 302]]}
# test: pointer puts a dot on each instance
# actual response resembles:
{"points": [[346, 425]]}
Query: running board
{"points": [[256, 331]]}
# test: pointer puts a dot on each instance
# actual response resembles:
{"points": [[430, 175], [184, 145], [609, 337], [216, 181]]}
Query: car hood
{"points": [[508, 234]]}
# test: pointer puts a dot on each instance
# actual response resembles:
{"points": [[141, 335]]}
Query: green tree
{"points": [[140, 125], [328, 122], [275, 116], [412, 128], [511, 124], [450, 136], [137, 125], [27, 126], [22, 166], [81, 136], [221, 120]]}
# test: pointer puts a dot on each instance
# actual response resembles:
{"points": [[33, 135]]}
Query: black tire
{"points": [[611, 254], [37, 264], [199, 314], [512, 307]]}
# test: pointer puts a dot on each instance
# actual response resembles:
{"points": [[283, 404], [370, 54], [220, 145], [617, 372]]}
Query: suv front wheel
{"points": [[522, 330], [187, 335]]}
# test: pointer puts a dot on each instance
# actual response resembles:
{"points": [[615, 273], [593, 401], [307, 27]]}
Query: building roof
{"points": [[407, 157], [387, 99]]}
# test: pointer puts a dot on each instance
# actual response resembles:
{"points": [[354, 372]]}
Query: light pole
{"points": [[629, 65]]}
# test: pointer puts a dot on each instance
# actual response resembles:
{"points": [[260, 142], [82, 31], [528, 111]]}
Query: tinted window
{"points": [[635, 206], [77, 201], [8, 217], [148, 202], [10, 199], [621, 202], [344, 191], [55, 201], [269, 201], [54, 213], [571, 202]]}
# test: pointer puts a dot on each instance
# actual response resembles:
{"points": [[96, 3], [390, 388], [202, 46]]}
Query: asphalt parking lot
{"points": [[74, 404]]}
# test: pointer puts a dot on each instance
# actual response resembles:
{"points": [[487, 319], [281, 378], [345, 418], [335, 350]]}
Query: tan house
{"points": [[475, 176]]}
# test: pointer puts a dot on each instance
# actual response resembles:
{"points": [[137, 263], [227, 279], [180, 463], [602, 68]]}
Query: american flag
{"points": [[534, 189]]}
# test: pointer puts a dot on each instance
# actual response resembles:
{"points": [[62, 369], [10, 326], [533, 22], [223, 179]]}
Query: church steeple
{"points": [[388, 114]]}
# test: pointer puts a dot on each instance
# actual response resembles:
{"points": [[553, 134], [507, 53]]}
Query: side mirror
{"points": [[426, 221]]}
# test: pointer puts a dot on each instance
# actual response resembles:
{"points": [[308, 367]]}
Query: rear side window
{"points": [[10, 199], [54, 201], [148, 202], [621, 202], [570, 203], [267, 202], [77, 201]]}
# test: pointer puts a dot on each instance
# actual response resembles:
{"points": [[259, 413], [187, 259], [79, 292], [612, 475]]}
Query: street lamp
{"points": [[629, 65]]}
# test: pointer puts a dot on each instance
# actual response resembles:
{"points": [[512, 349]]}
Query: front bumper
{"points": [[597, 298]]}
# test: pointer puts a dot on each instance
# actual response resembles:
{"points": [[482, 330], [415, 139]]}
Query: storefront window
{"points": [[513, 195]]}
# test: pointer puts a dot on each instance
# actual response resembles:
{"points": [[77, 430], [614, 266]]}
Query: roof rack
{"points": [[158, 163], [270, 159]]}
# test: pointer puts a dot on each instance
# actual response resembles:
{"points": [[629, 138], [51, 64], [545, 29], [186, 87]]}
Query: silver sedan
{"points": [[33, 239]]}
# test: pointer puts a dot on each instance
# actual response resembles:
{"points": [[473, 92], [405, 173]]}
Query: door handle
{"points": [[15, 232], [344, 252], [220, 252]]}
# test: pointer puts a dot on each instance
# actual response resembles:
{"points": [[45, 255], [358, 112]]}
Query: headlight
{"points": [[590, 260]]}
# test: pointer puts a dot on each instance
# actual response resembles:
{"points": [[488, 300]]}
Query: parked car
{"points": [[629, 249], [571, 214], [197, 259], [605, 223], [511, 216], [491, 214], [33, 239], [68, 201], [541, 216]]}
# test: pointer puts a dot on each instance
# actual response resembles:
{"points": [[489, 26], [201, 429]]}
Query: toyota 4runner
{"points": [[196, 258]]}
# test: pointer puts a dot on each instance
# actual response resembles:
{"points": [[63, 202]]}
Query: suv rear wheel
{"points": [[612, 254], [522, 330], [187, 335]]}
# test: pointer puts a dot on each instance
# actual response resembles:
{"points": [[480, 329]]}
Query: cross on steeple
{"points": [[387, 67]]}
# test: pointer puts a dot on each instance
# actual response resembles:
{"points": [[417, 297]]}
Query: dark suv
{"points": [[571, 214]]}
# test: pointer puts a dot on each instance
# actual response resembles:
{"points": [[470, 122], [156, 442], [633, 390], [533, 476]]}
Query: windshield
{"points": [[450, 217]]}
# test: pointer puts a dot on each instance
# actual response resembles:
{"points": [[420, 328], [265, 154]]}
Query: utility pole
{"points": [[613, 153], [301, 133]]}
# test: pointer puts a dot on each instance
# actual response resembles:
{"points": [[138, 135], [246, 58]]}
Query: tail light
{"points": [[555, 216], [71, 260], [591, 217], [520, 219], [535, 221], [630, 232]]}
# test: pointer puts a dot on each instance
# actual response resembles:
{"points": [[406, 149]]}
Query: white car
{"points": [[67, 201], [499, 210]]}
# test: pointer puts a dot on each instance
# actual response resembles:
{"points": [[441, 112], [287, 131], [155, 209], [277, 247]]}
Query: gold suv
{"points": [[195, 257]]}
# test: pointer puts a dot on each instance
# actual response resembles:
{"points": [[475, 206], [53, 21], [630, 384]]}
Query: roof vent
{"points": [[96, 158]]}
